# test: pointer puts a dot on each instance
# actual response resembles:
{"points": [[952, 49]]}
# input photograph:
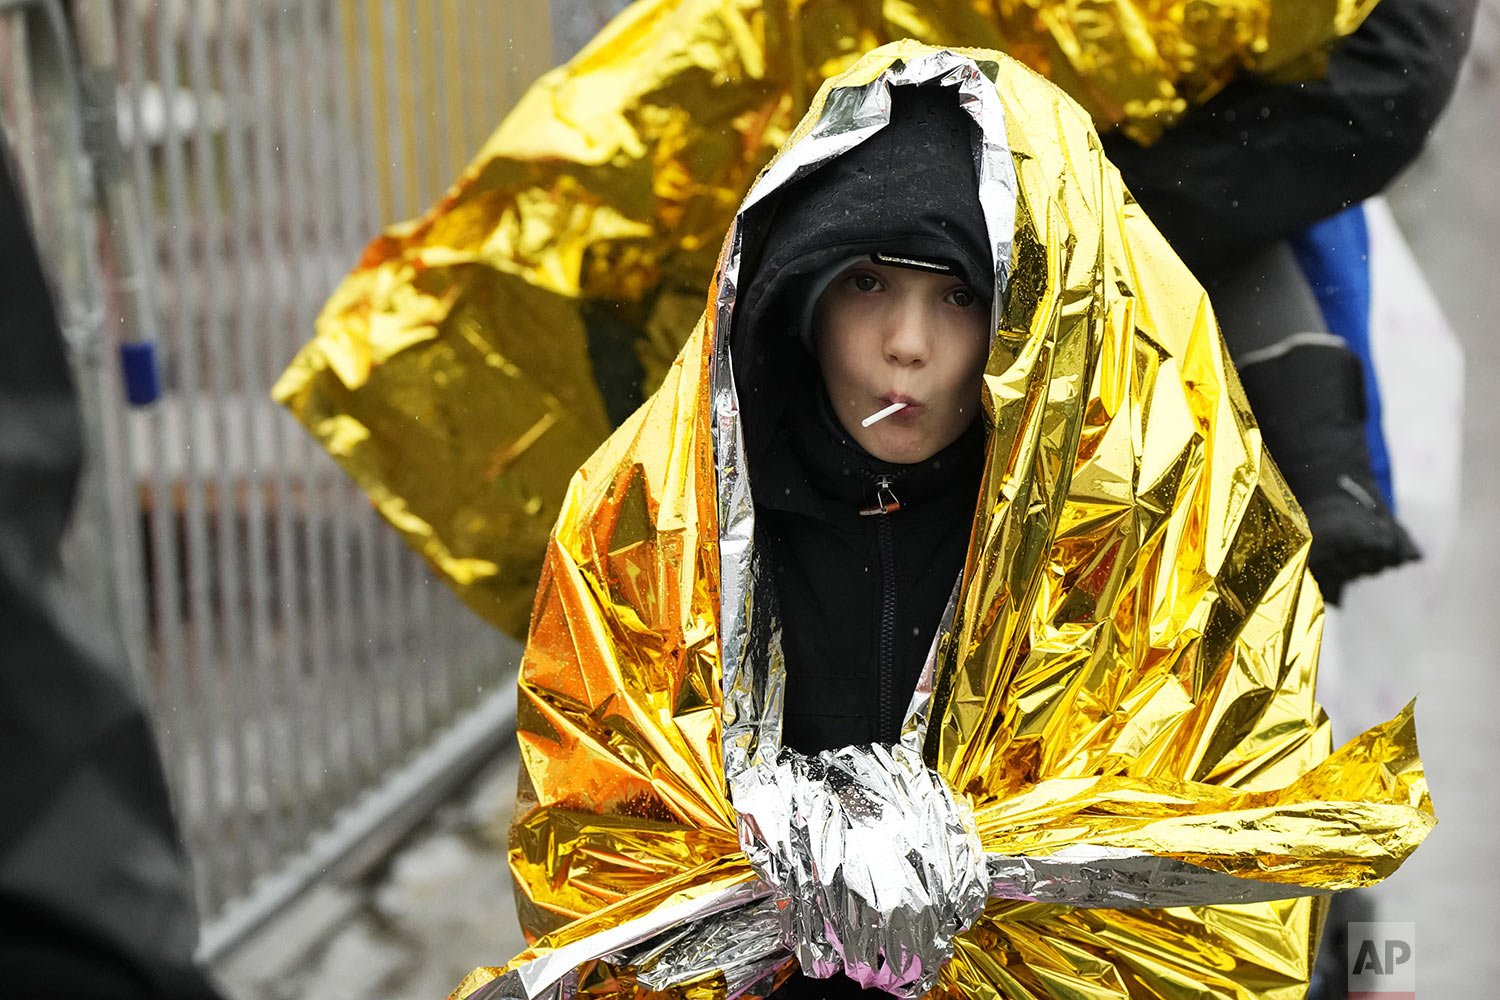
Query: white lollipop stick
{"points": [[880, 415]]}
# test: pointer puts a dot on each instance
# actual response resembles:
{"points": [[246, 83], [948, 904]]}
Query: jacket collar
{"points": [[823, 472]]}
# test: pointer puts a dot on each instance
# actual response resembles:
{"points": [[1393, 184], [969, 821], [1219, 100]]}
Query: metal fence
{"points": [[202, 173]]}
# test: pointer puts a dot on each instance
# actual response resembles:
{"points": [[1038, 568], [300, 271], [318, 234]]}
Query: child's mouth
{"points": [[880, 415], [898, 407]]}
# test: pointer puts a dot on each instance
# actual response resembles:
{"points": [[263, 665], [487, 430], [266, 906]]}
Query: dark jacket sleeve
{"points": [[1262, 160], [95, 899]]}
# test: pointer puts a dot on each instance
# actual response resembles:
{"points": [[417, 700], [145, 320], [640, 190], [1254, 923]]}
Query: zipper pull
{"points": [[885, 500]]}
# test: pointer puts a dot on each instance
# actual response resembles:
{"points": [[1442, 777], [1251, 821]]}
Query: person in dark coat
{"points": [[95, 894], [1235, 184]]}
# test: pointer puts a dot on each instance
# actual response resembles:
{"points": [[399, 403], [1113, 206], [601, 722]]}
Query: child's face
{"points": [[892, 334]]}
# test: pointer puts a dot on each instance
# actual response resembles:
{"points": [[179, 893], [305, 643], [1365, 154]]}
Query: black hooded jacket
{"points": [[859, 593]]}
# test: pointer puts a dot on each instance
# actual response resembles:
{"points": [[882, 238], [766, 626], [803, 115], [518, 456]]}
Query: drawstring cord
{"points": [[885, 500]]}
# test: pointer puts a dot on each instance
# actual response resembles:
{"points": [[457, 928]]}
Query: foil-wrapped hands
{"points": [[876, 865]]}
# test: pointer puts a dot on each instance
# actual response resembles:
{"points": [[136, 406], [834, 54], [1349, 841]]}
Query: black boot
{"points": [[1308, 396]]}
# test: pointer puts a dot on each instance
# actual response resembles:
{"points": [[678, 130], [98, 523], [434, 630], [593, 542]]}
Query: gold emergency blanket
{"points": [[476, 356], [1131, 663]]}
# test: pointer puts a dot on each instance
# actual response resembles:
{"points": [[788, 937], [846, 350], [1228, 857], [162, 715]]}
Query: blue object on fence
{"points": [[1335, 256], [142, 379]]}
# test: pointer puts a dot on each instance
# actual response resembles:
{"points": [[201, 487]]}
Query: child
{"points": [[955, 460]]}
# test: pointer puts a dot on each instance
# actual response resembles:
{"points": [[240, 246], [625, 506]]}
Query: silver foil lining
{"points": [[875, 864]]}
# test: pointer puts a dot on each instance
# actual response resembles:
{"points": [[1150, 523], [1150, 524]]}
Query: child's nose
{"points": [[908, 339]]}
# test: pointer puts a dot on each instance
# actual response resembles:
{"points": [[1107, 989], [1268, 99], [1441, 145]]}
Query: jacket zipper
{"points": [[885, 541]]}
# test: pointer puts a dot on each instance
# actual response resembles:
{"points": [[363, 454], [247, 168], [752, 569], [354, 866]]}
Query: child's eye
{"points": [[963, 297], [864, 281]]}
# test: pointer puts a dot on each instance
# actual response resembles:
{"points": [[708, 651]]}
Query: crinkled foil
{"points": [[1121, 696], [876, 866], [478, 355]]}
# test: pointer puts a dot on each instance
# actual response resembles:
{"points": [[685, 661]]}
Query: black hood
{"points": [[910, 189]]}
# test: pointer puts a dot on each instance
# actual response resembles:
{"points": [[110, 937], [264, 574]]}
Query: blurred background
{"points": [[336, 727]]}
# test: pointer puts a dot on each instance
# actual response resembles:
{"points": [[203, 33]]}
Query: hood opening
{"points": [[910, 190]]}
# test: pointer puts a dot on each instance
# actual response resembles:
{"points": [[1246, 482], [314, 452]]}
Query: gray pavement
{"points": [[442, 904], [414, 927]]}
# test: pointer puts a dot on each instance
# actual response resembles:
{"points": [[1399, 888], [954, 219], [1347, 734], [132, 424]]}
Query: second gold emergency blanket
{"points": [[1124, 695], [478, 355]]}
